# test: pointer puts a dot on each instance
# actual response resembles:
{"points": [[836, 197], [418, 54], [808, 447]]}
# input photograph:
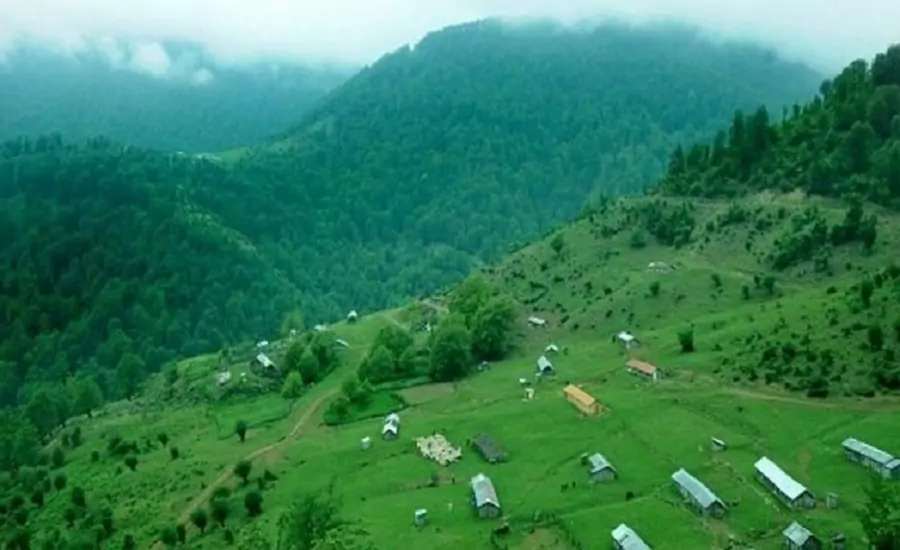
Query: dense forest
{"points": [[434, 159], [200, 107], [843, 143]]}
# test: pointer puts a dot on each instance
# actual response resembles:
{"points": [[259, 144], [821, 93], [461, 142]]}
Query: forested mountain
{"points": [[433, 159], [196, 106], [844, 142]]}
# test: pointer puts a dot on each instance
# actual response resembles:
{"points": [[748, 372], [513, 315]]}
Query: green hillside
{"points": [[44, 92], [771, 319], [432, 160]]}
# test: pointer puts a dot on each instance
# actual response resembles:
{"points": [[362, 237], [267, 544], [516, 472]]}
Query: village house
{"points": [[786, 488], [544, 366], [352, 316], [488, 448], [391, 428], [797, 537], [700, 496], [484, 497], [581, 399], [624, 538], [643, 369], [627, 339], [263, 361], [600, 468], [536, 321], [886, 464]]}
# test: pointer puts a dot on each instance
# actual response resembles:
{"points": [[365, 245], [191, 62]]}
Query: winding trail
{"points": [[227, 473]]}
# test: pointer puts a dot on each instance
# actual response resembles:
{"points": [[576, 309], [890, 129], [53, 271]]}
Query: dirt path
{"points": [[822, 404], [428, 302], [228, 472]]}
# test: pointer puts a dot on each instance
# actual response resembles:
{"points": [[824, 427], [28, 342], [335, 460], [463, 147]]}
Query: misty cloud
{"points": [[829, 33]]}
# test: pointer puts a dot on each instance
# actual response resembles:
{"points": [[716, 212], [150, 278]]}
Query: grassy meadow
{"points": [[591, 287]]}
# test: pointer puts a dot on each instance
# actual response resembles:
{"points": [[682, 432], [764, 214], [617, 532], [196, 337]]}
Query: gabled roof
{"points": [[701, 493], [579, 395], [642, 366], [628, 539], [390, 427], [626, 336], [484, 491], [392, 418], [598, 463], [797, 534], [264, 360], [785, 484], [869, 451]]}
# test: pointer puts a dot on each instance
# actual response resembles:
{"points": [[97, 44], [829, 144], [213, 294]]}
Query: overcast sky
{"points": [[826, 32]]}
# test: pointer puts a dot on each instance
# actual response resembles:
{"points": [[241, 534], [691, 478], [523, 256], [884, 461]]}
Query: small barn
{"points": [[786, 488], [882, 462], [536, 321], [365, 443], [353, 316], [262, 344], [717, 445], [643, 369], [624, 538], [600, 468], [484, 497], [544, 366], [581, 399], [342, 343], [390, 431], [551, 348], [698, 494], [626, 339], [263, 361], [420, 517], [798, 537], [488, 448]]}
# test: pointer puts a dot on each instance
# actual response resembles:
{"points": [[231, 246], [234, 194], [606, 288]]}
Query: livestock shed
{"points": [[488, 448], [798, 537], [700, 496], [581, 399], [886, 464], [624, 538], [390, 431], [786, 488], [627, 339], [600, 468], [536, 321], [484, 497], [643, 369], [544, 366]]}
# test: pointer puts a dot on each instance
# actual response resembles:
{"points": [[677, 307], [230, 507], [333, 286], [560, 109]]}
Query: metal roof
{"points": [[390, 427], [543, 364], [701, 493], [786, 485], [628, 539], [797, 534], [598, 463], [484, 491], [871, 452]]}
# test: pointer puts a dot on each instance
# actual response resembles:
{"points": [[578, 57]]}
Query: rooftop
{"points": [[484, 491], [628, 539], [488, 447], [873, 453], [599, 462], [641, 366], [579, 395], [701, 493], [797, 533], [785, 484]]}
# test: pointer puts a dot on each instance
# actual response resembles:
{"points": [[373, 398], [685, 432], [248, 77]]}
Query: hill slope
{"points": [[845, 143], [204, 107], [430, 161]]}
